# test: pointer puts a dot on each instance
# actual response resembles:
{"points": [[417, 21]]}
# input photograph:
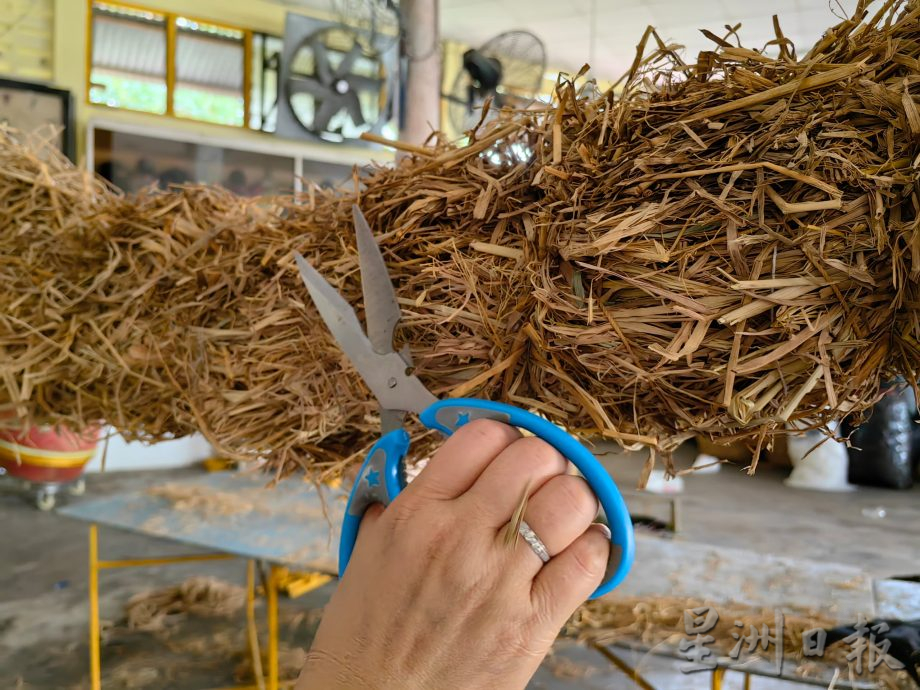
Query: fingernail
{"points": [[605, 530]]}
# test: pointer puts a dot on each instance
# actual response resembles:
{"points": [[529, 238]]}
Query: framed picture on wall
{"points": [[28, 107]]}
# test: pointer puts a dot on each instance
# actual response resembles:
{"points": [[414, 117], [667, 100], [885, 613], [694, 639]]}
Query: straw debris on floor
{"points": [[158, 610], [718, 246], [661, 622]]}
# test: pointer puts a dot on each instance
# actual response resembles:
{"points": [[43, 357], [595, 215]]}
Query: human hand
{"points": [[434, 597]]}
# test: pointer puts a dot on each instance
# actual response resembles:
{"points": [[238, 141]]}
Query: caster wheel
{"points": [[78, 488], [45, 501]]}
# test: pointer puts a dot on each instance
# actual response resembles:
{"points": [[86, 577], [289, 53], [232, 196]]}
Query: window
{"points": [[133, 161], [128, 58], [266, 57], [171, 64], [209, 73], [167, 64], [134, 158]]}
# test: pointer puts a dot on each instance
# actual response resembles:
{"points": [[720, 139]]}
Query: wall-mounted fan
{"points": [[508, 69], [334, 82]]}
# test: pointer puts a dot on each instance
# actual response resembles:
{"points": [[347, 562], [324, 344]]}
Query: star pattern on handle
{"points": [[462, 418], [373, 478]]}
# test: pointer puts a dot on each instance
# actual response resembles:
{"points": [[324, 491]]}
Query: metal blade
{"points": [[380, 306], [321, 60], [385, 374], [362, 84], [340, 318], [308, 85], [328, 107], [353, 107], [348, 61]]}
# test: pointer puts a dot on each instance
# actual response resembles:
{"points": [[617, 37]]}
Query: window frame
{"points": [[172, 34]]}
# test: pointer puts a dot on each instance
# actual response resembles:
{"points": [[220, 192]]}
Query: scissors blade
{"points": [[385, 374], [380, 306]]}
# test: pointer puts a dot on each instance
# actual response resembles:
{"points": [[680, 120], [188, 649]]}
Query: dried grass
{"points": [[659, 622], [722, 247], [208, 597]]}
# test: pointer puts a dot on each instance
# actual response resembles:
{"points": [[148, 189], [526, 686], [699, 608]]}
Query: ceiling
{"points": [[565, 25]]}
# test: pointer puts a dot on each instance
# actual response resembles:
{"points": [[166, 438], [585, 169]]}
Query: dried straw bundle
{"points": [[168, 313], [725, 246], [742, 239]]}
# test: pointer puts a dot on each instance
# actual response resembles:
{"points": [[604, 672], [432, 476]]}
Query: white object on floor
{"points": [[136, 455], [658, 483], [706, 464], [818, 462]]}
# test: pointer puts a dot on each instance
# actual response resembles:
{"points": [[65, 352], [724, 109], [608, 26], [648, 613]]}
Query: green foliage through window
{"points": [[210, 106], [126, 91]]}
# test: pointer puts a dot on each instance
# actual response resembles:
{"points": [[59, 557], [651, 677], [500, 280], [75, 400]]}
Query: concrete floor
{"points": [[43, 583]]}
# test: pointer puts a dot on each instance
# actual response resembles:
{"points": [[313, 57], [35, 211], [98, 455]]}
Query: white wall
{"points": [[122, 455]]}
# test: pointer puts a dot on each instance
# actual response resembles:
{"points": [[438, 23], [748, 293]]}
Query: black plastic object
{"points": [[903, 638], [882, 448], [916, 448]]}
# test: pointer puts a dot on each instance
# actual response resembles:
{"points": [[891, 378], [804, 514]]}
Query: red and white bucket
{"points": [[44, 454]]}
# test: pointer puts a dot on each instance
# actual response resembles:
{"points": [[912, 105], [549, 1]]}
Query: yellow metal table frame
{"points": [[269, 681], [716, 677]]}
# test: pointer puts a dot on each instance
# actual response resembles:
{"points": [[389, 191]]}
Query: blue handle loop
{"points": [[386, 458], [449, 415], [379, 480]]}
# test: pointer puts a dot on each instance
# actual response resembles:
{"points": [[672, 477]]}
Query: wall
{"points": [[27, 45]]}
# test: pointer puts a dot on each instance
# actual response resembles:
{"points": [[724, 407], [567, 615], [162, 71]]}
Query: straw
{"points": [[724, 246]]}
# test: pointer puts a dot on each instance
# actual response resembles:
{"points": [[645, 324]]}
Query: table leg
{"points": [[272, 604], [718, 674], [624, 667], [675, 519], [252, 632], [95, 667]]}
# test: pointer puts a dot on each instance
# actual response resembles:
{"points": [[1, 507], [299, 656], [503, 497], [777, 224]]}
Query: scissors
{"points": [[388, 374]]}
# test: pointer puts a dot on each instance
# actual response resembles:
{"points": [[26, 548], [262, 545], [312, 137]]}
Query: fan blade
{"points": [[348, 61], [362, 84], [308, 85], [327, 110], [321, 61], [353, 107]]}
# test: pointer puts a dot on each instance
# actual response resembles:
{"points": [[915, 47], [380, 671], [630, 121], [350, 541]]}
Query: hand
{"points": [[435, 598]]}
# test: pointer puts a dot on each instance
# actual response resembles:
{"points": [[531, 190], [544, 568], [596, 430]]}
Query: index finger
{"points": [[457, 464]]}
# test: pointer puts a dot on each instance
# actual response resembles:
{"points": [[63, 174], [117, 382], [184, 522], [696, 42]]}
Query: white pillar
{"points": [[423, 80]]}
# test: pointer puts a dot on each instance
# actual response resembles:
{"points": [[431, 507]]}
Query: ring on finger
{"points": [[536, 544]]}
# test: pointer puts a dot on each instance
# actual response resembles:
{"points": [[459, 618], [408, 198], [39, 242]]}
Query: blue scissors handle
{"points": [[379, 480], [381, 477]]}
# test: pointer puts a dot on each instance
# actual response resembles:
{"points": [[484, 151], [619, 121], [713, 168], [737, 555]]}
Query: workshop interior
{"points": [[260, 258]]}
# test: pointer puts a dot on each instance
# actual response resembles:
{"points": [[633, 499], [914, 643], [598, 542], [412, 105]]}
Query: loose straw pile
{"points": [[159, 609], [721, 248], [661, 623]]}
